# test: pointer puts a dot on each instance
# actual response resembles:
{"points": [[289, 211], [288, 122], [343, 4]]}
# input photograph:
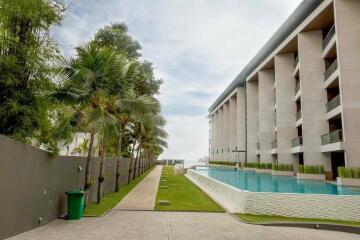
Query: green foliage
{"points": [[26, 53], [264, 165], [225, 163], [309, 169], [283, 167], [349, 172], [250, 165]]}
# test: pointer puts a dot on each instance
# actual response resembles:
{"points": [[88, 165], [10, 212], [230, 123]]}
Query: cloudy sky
{"points": [[197, 46]]}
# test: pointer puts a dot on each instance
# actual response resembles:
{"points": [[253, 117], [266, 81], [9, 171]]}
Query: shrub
{"points": [[349, 172], [311, 169], [250, 165], [225, 163], [283, 167], [264, 166]]}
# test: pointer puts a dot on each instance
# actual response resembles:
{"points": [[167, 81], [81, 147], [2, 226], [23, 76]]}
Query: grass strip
{"points": [[183, 195], [110, 200], [260, 219]]}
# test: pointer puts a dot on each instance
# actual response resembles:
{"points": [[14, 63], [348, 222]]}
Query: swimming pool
{"points": [[257, 182]]}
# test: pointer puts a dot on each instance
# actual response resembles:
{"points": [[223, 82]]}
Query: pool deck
{"points": [[139, 225]]}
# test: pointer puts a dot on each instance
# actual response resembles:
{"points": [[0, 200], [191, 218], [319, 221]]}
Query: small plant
{"points": [[349, 172], [283, 167], [264, 166], [311, 169], [225, 163], [250, 165]]}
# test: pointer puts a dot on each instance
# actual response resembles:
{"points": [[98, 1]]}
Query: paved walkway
{"points": [[141, 225], [143, 196]]}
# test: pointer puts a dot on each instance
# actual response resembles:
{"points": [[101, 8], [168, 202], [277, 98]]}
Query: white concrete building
{"points": [[298, 100]]}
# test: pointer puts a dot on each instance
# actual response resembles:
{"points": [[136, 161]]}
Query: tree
{"points": [[26, 52], [116, 35]]}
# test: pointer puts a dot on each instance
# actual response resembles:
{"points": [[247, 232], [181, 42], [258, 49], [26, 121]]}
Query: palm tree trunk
{"points": [[136, 161], [101, 174], [88, 170], [117, 189], [131, 161]]}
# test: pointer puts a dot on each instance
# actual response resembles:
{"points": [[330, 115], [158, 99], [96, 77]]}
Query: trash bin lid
{"points": [[75, 192]]}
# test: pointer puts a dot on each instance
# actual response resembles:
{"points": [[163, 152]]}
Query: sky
{"points": [[197, 46]]}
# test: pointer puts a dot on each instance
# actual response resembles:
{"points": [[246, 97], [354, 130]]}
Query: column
{"points": [[266, 114], [232, 129], [285, 107], [313, 98], [252, 120], [220, 135], [347, 24], [241, 122], [225, 135]]}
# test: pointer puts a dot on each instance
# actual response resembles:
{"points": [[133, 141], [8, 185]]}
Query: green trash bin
{"points": [[75, 202]]}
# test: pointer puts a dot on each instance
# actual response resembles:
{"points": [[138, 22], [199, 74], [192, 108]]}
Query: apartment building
{"points": [[298, 100]]}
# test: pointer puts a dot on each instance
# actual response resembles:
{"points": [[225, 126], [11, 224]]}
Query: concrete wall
{"points": [[252, 101], [285, 107], [33, 184], [319, 206], [347, 23], [266, 114], [313, 98]]}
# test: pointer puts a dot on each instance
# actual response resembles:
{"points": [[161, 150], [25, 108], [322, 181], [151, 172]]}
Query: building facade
{"points": [[298, 100]]}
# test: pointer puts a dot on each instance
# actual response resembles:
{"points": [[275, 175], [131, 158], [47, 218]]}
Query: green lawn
{"points": [[110, 200], [184, 195], [275, 219]]}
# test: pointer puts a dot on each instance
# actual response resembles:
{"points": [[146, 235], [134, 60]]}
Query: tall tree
{"points": [[26, 53]]}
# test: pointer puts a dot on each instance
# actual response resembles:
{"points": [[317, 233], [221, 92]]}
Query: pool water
{"points": [[257, 182]]}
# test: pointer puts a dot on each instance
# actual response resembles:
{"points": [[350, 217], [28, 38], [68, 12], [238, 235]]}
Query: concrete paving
{"points": [[143, 196], [139, 225]]}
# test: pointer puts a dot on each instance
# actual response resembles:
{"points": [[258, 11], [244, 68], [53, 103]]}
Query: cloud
{"points": [[198, 47]]}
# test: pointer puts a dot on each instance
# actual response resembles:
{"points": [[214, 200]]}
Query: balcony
{"points": [[258, 146], [298, 115], [297, 142], [328, 37], [274, 144], [333, 67], [333, 103], [333, 137]]}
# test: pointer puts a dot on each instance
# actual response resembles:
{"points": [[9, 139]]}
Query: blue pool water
{"points": [[257, 182]]}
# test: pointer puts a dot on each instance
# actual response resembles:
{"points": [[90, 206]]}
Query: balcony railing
{"points": [[328, 37], [297, 142], [333, 137], [333, 67], [298, 115], [297, 87], [258, 146], [333, 103], [274, 144], [296, 61]]}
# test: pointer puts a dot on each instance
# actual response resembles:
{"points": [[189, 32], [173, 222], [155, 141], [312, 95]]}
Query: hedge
{"points": [[349, 172], [226, 163], [283, 167], [264, 165], [309, 169]]}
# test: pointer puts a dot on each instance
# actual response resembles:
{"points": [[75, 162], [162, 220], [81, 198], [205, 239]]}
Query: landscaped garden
{"points": [[182, 194]]}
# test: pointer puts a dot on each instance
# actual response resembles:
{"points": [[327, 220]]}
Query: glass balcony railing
{"points": [[297, 142], [274, 144], [333, 103], [333, 137], [296, 61], [333, 67], [298, 115], [297, 87], [328, 37]]}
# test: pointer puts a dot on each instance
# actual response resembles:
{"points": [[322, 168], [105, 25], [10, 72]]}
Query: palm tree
{"points": [[91, 76]]}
